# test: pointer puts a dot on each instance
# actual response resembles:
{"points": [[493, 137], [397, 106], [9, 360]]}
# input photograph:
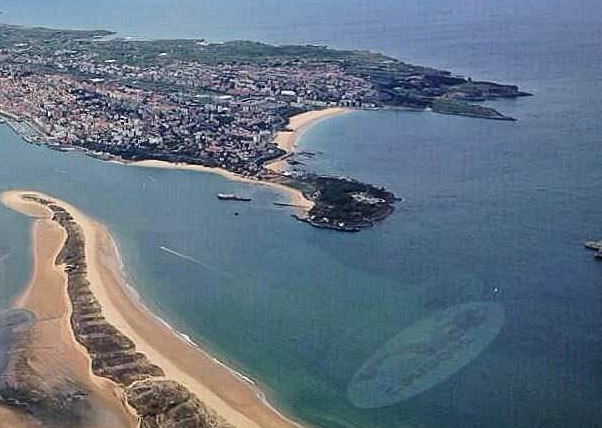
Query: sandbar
{"points": [[54, 353], [234, 398]]}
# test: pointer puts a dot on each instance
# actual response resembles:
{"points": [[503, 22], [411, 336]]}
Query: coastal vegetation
{"points": [[343, 204], [157, 402], [462, 108]]}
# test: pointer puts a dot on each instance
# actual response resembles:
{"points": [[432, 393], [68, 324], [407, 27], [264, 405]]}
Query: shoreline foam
{"points": [[252, 383], [233, 395]]}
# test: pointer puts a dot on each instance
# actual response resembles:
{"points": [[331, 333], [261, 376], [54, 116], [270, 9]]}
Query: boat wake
{"points": [[196, 262], [4, 254], [180, 255], [190, 342]]}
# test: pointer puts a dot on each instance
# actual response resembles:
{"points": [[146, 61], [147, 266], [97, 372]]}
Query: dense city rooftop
{"points": [[211, 104]]}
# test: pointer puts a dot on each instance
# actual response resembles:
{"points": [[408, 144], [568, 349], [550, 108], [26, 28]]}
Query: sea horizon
{"points": [[487, 206]]}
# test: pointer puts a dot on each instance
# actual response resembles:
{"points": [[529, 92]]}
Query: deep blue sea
{"points": [[492, 211]]}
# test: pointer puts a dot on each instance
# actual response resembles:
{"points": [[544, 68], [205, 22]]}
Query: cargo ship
{"points": [[230, 197]]}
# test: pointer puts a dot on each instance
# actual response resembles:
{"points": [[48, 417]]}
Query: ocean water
{"points": [[492, 212]]}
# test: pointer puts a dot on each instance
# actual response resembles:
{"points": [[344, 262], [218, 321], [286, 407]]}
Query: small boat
{"points": [[596, 246], [230, 197]]}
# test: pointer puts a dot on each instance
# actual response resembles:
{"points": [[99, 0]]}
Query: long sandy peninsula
{"points": [[226, 398], [55, 363]]}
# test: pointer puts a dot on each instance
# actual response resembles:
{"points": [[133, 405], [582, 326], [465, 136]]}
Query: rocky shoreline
{"points": [[306, 184], [342, 204]]}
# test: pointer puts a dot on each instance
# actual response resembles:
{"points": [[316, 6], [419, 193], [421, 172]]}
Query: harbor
{"points": [[28, 131]]}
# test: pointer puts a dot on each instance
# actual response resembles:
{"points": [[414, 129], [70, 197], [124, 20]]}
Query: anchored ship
{"points": [[230, 197]]}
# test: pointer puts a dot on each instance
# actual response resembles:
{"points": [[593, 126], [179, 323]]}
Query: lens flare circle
{"points": [[425, 354]]}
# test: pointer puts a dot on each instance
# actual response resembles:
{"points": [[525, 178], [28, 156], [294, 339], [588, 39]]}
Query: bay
{"points": [[487, 206]]}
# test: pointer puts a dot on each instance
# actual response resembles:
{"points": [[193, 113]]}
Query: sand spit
{"points": [[162, 377], [49, 374]]}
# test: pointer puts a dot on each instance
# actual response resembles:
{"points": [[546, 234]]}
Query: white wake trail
{"points": [[182, 256]]}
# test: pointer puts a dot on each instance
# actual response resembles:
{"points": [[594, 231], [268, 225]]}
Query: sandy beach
{"points": [[287, 140], [55, 354], [233, 398], [12, 419], [295, 197]]}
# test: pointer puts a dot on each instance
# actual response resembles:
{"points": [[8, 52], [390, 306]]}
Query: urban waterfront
{"points": [[492, 212]]}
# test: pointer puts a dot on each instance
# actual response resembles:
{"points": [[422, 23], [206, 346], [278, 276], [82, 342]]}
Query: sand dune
{"points": [[233, 397]]}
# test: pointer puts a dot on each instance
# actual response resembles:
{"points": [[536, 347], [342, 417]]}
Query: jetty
{"points": [[283, 204]]}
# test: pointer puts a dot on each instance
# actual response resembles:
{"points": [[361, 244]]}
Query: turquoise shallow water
{"points": [[487, 206]]}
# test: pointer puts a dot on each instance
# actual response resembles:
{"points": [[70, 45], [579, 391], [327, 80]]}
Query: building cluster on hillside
{"points": [[215, 115]]}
